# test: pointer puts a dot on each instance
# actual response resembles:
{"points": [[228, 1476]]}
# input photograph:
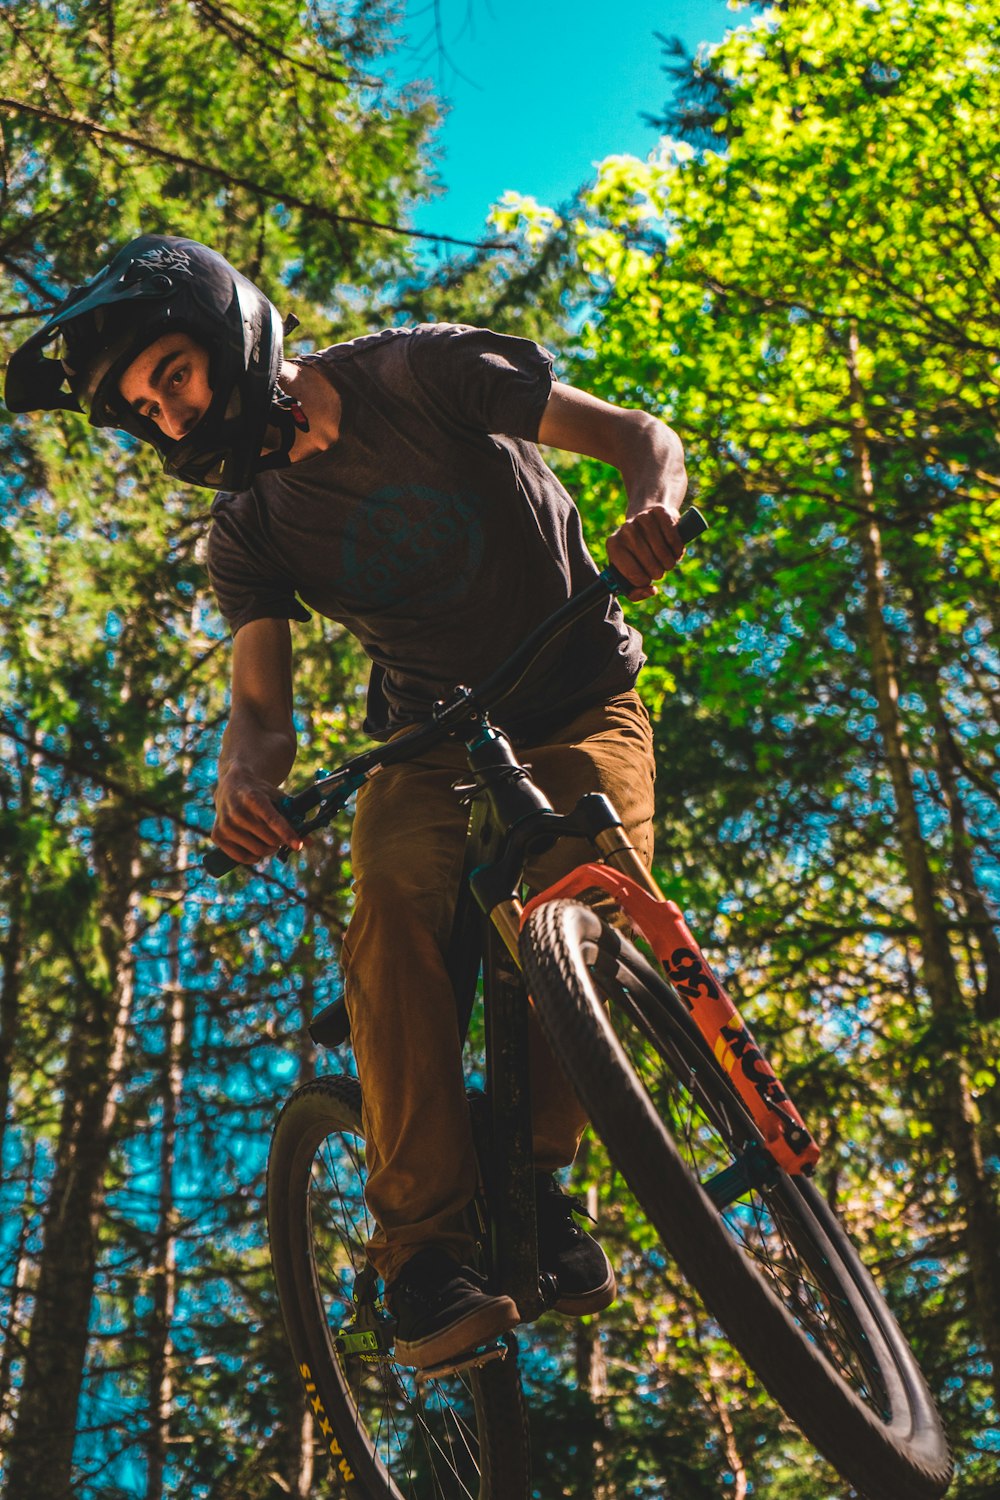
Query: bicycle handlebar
{"points": [[331, 793]]}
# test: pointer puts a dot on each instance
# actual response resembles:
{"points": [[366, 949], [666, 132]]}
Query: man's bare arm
{"points": [[650, 458], [258, 747]]}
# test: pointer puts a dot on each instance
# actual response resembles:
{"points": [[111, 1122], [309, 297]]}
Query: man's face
{"points": [[168, 383]]}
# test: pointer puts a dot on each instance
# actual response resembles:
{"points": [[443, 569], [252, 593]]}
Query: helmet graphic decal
{"points": [[166, 258]]}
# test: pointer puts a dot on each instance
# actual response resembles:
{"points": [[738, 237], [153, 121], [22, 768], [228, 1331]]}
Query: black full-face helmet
{"points": [[160, 284]]}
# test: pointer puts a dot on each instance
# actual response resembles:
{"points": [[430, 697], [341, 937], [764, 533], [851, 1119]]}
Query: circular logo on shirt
{"points": [[406, 541]]}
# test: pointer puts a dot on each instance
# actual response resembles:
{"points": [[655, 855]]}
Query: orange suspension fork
{"points": [[726, 1034]]}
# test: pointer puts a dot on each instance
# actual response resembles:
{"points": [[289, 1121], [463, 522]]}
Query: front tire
{"points": [[767, 1255], [463, 1437]]}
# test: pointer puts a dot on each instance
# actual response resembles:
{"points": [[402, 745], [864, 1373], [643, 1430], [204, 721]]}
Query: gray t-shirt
{"points": [[431, 529]]}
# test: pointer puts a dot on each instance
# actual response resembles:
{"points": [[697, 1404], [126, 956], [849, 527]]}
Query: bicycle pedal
{"points": [[471, 1359]]}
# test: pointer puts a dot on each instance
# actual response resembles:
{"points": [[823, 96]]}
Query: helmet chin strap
{"points": [[288, 417]]}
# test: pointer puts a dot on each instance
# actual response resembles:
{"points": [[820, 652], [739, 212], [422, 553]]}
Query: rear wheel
{"points": [[463, 1437], [762, 1248]]}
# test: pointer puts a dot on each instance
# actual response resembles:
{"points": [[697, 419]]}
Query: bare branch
{"points": [[80, 123]]}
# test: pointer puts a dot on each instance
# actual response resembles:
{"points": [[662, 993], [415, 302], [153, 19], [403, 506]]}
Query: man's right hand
{"points": [[248, 826], [258, 747]]}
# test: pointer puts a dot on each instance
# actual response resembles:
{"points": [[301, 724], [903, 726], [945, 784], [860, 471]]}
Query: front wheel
{"points": [[763, 1249], [386, 1435]]}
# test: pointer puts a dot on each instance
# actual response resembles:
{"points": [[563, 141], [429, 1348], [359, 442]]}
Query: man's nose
{"points": [[178, 421]]}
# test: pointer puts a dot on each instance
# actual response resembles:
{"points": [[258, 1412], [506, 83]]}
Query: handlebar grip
{"points": [[216, 863], [690, 525]]}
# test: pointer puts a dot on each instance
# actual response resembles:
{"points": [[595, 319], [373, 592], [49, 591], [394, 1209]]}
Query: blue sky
{"points": [[541, 89]]}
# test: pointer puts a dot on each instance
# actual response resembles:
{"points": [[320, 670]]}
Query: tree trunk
{"points": [[982, 1218], [11, 1332], [714, 1396], [41, 1445], [947, 760], [300, 1417], [163, 1274], [303, 1478], [13, 954], [592, 1380], [10, 992]]}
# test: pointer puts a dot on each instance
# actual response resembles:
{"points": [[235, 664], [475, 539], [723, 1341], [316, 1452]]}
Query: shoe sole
{"points": [[499, 1315], [588, 1302]]}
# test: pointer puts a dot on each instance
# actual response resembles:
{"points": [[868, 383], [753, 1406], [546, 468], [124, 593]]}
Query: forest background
{"points": [[802, 279]]}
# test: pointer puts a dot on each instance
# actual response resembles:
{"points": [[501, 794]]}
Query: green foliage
{"points": [[818, 284], [810, 301], [143, 1128], [261, 133]]}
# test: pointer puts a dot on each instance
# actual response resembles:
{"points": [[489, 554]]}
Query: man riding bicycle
{"points": [[393, 484]]}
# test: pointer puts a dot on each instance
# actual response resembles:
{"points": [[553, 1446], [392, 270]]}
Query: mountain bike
{"points": [[690, 1112]]}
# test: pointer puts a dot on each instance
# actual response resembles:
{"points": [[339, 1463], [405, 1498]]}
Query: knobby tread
{"points": [[315, 1110], [907, 1459]]}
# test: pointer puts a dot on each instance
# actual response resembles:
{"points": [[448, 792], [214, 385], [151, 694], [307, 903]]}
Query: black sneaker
{"points": [[442, 1310], [584, 1278]]}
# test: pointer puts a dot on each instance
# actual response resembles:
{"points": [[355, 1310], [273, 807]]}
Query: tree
{"points": [[118, 120], [812, 304]]}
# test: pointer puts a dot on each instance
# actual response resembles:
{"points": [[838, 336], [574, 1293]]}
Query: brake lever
{"points": [[326, 810]]}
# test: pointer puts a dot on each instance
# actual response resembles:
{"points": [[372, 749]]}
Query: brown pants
{"points": [[407, 852]]}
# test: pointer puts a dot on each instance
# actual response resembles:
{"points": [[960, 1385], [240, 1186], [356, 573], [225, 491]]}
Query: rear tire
{"points": [[772, 1264], [463, 1437]]}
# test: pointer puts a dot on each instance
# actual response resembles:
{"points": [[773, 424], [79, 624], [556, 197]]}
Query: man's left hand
{"points": [[650, 458], [645, 547]]}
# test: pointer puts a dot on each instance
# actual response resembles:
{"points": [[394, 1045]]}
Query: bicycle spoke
{"points": [[423, 1438], [435, 1446], [712, 1133]]}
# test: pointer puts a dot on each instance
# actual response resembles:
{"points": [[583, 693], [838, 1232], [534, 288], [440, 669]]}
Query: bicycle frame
{"points": [[511, 820]]}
